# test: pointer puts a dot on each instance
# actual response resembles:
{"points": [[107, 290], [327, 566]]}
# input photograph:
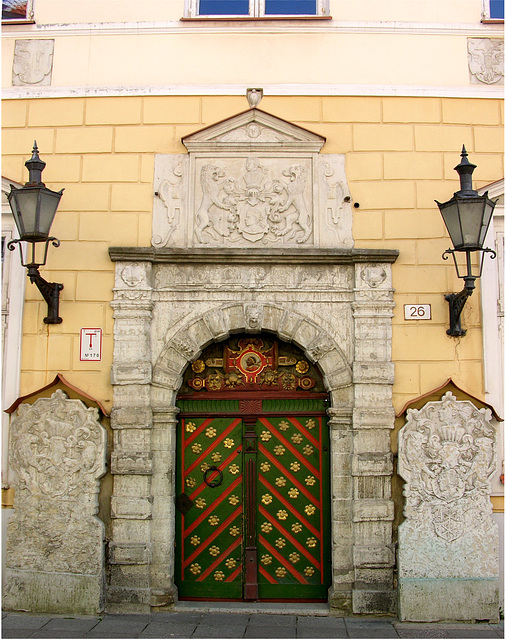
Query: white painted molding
{"points": [[476, 91], [11, 364], [252, 25], [493, 345]]}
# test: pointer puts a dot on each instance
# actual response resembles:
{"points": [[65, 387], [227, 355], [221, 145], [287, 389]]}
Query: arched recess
{"points": [[218, 323], [215, 325], [252, 474]]}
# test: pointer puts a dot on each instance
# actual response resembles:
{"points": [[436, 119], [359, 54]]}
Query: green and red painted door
{"points": [[253, 507]]}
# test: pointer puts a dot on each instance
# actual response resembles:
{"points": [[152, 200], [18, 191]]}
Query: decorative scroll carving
{"points": [[57, 452], [486, 60], [170, 196], [374, 276], [33, 62], [253, 206], [169, 204], [336, 199]]}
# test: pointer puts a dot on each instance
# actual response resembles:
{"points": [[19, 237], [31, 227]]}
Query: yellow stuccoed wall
{"points": [[400, 154]]}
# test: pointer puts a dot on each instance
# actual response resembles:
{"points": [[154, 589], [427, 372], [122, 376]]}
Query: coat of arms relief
{"points": [[447, 457], [256, 205], [252, 181]]}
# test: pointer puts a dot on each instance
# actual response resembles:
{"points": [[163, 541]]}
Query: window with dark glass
{"points": [[14, 9], [258, 8], [497, 9]]}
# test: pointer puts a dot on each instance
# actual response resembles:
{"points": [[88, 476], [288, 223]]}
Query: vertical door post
{"points": [[251, 552]]}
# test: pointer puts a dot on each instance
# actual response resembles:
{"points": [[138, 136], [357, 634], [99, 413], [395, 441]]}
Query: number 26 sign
{"points": [[417, 312]]}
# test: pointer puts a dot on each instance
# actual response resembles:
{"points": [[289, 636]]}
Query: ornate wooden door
{"points": [[253, 491]]}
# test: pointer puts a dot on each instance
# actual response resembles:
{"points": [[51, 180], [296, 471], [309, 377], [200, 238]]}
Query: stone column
{"points": [[373, 419], [163, 590], [130, 549], [448, 543], [343, 575], [55, 542]]}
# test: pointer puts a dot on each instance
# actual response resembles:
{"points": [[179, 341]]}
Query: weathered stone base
{"points": [[449, 600], [52, 592], [372, 601], [340, 602]]}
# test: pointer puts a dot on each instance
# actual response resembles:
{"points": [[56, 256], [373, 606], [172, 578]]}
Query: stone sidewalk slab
{"points": [[211, 624]]}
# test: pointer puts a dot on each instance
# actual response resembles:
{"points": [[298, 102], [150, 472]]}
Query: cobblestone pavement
{"points": [[211, 624]]}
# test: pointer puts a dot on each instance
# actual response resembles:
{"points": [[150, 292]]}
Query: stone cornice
{"points": [[247, 256]]}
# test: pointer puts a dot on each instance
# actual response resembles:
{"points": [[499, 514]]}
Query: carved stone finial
{"points": [[254, 96]]}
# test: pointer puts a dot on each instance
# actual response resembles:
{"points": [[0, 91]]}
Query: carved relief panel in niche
{"points": [[486, 60], [33, 62], [245, 184], [252, 199]]}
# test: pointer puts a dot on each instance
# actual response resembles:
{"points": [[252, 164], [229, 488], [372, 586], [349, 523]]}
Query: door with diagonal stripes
{"points": [[252, 488]]}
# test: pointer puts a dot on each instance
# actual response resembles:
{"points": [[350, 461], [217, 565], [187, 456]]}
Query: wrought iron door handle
{"points": [[213, 483]]}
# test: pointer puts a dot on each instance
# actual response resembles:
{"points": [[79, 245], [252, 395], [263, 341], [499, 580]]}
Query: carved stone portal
{"points": [[448, 543], [54, 546]]}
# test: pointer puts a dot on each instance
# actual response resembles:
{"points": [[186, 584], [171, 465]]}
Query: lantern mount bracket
{"points": [[50, 290], [458, 300]]}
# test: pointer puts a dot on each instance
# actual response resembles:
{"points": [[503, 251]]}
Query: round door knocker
{"points": [[213, 483]]}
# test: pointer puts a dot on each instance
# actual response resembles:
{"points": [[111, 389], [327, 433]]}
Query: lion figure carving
{"points": [[299, 215]]}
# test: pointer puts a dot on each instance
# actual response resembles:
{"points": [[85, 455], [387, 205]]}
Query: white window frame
{"points": [[485, 12], [13, 296], [256, 10]]}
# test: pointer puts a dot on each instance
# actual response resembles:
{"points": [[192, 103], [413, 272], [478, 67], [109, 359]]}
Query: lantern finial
{"points": [[35, 168]]}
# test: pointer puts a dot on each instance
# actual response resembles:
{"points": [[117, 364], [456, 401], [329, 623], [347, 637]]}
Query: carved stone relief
{"points": [[252, 181], [447, 457], [33, 62], [486, 60], [54, 539], [169, 204]]}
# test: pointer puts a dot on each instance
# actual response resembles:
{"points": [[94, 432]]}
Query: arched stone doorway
{"points": [[337, 308], [252, 475]]}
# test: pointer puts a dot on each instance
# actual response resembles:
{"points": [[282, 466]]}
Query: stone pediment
{"points": [[253, 180], [259, 130]]}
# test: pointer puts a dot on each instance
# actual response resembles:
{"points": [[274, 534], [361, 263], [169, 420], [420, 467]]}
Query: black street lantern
{"points": [[467, 217], [34, 207]]}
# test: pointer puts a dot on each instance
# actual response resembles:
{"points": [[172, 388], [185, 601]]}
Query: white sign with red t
{"points": [[91, 345]]}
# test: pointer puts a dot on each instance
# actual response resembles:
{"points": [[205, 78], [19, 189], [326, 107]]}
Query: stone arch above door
{"points": [[218, 323]]}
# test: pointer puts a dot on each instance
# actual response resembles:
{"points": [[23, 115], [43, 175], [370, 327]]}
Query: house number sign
{"points": [[91, 345], [417, 312]]}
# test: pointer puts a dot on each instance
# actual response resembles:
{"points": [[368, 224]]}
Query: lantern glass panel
{"points": [[471, 212], [487, 217], [450, 212], [26, 212], [49, 201]]}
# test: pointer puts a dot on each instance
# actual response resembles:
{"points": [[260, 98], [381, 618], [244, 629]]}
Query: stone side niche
{"points": [[55, 541], [448, 543]]}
